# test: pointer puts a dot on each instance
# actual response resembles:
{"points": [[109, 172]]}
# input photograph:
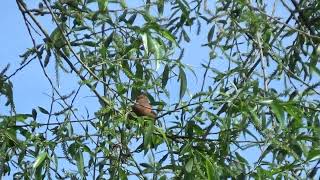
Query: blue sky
{"points": [[29, 84]]}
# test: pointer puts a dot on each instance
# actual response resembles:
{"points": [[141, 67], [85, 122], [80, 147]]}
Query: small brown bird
{"points": [[142, 107]]}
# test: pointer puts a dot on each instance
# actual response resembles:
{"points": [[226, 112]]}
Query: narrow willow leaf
{"points": [[241, 159], [163, 158], [314, 154], [160, 6], [123, 4], [139, 70], [266, 101], [123, 16], [102, 4], [278, 110], [189, 165], [314, 69], [146, 165], [108, 41], [132, 18], [169, 36], [40, 159], [254, 118], [44, 111], [163, 32], [211, 33], [47, 58], [157, 49], [11, 134], [21, 117], [90, 43], [210, 170], [183, 83], [145, 42], [183, 7], [185, 36], [80, 162], [165, 75]]}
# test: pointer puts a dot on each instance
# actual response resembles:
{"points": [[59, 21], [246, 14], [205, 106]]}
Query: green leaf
{"points": [[183, 7], [189, 165], [47, 58], [163, 159], [160, 6], [40, 159], [139, 70], [126, 69], [118, 41], [147, 138], [132, 18], [21, 117], [44, 111], [266, 101], [145, 42], [210, 170], [146, 165], [314, 69], [278, 110], [123, 16], [123, 4], [80, 162], [165, 75], [11, 134], [267, 151], [254, 118], [90, 43], [211, 33], [108, 41], [123, 175], [186, 149], [57, 38], [72, 149], [185, 36], [241, 159], [34, 114], [158, 49], [183, 82], [164, 177], [163, 32], [21, 157], [314, 154], [169, 36]]}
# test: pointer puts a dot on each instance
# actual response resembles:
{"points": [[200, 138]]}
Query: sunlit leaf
{"points": [[145, 42], [40, 158]]}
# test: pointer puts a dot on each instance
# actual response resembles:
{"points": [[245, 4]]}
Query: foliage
{"points": [[256, 115]]}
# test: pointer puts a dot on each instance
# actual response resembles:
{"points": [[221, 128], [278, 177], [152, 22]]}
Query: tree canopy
{"points": [[249, 110]]}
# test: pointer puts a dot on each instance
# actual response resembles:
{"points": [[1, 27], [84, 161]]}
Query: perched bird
{"points": [[142, 107]]}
